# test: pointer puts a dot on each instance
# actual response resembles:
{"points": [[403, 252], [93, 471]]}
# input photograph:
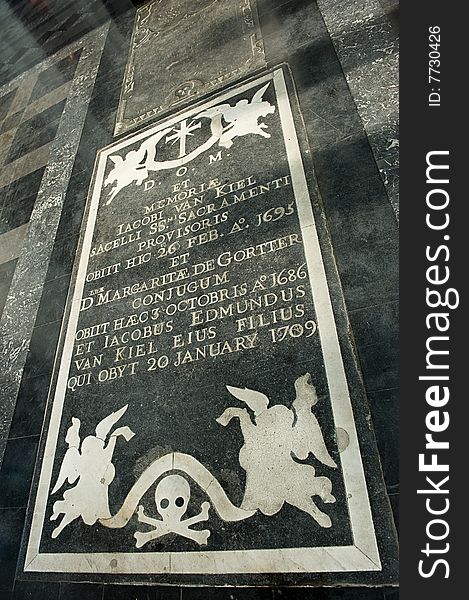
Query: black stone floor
{"points": [[360, 218]]}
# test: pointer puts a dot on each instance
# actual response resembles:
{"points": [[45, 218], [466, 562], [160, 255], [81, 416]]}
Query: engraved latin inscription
{"points": [[201, 405]]}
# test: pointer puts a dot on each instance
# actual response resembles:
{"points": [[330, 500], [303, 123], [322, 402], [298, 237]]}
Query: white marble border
{"points": [[363, 555]]}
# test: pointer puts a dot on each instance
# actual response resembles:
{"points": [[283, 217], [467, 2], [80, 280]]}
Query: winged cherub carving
{"points": [[242, 119], [272, 441], [89, 464]]}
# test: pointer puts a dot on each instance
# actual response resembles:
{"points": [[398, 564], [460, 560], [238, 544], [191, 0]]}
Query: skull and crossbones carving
{"points": [[172, 496]]}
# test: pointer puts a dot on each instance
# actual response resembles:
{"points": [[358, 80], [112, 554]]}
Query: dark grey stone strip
{"points": [[19, 315], [232, 48], [366, 44]]}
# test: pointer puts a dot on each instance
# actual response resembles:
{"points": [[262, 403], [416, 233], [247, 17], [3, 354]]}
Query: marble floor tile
{"points": [[224, 259], [20, 313], [81, 591], [11, 241], [204, 44], [201, 350], [11, 526], [366, 41], [17, 471], [35, 590], [6, 275]]}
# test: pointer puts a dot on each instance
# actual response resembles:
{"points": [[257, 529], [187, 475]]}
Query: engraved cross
{"points": [[182, 134]]}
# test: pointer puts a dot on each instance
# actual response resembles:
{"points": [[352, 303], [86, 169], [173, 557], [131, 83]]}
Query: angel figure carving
{"points": [[134, 167], [272, 441], [90, 466], [242, 119]]}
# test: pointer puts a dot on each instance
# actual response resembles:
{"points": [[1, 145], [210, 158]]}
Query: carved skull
{"points": [[172, 496]]}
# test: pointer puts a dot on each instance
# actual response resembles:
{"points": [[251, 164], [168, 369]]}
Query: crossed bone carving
{"points": [[172, 497]]}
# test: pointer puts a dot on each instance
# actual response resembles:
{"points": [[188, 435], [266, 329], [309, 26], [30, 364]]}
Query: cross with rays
{"points": [[182, 134]]}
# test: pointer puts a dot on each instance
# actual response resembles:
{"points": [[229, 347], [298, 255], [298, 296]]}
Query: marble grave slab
{"points": [[180, 52], [201, 422]]}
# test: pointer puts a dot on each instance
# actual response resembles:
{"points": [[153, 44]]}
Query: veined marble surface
{"points": [[182, 290], [19, 314], [204, 45], [367, 44], [213, 453]]}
